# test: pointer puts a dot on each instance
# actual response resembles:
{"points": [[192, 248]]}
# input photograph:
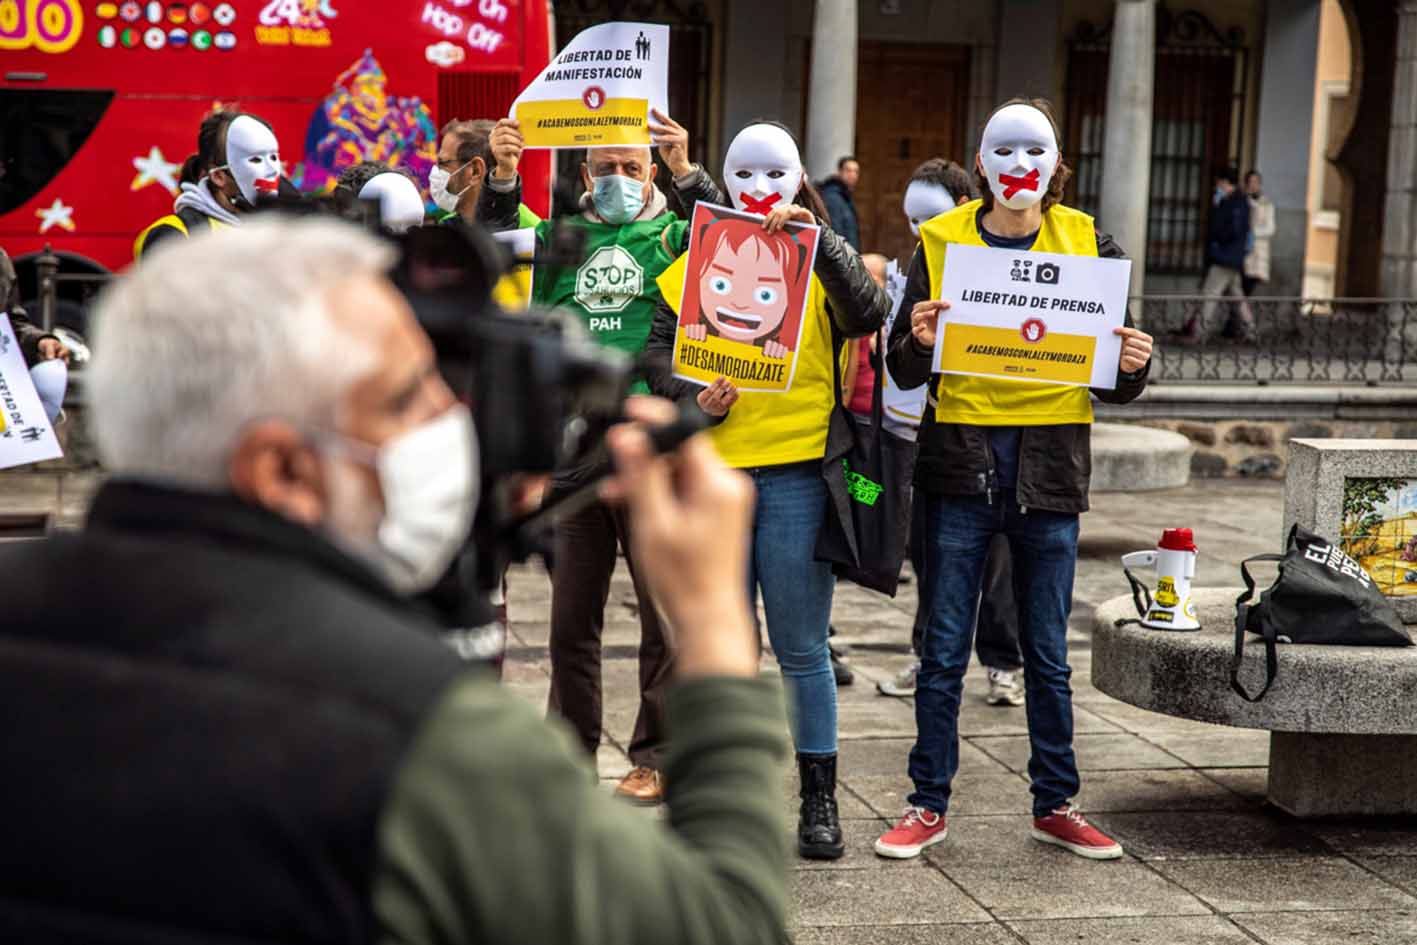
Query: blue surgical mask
{"points": [[618, 199], [1218, 196]]}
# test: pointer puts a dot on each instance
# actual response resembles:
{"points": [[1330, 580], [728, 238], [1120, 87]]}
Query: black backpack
{"points": [[1322, 595]]}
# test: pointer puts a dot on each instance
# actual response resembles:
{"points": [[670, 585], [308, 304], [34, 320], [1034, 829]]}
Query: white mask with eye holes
{"points": [[925, 201], [762, 169], [1019, 153], [252, 158]]}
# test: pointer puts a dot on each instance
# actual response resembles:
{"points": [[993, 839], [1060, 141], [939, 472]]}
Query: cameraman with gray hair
{"points": [[229, 724]]}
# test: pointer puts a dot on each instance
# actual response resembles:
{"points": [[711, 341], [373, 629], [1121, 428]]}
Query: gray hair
{"points": [[215, 332]]}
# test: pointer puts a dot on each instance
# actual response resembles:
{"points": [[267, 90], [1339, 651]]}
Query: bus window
{"points": [[40, 132]]}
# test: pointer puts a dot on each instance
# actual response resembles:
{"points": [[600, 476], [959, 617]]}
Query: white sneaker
{"points": [[1004, 688], [902, 683]]}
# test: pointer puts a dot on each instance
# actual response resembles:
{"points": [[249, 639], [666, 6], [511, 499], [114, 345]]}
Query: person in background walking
{"points": [[1227, 241], [836, 193], [1262, 229]]}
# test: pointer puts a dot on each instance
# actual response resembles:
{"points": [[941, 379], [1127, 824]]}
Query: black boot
{"points": [[818, 827]]}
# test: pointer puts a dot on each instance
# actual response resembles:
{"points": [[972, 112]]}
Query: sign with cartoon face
{"points": [[1030, 316], [745, 295], [599, 89], [25, 432]]}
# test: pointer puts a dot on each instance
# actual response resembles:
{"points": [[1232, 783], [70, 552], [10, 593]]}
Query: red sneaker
{"points": [[918, 829], [1067, 828]]}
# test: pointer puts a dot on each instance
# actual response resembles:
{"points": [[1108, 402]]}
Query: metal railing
{"points": [[49, 279], [1199, 339], [1285, 340]]}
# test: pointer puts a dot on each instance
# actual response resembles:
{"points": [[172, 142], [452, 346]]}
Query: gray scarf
{"points": [[199, 197]]}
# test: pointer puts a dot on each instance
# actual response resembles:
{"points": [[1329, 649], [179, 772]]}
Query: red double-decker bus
{"points": [[100, 102]]}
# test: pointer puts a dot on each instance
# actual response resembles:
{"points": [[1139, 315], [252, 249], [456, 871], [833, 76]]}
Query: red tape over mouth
{"points": [[1013, 185], [270, 186], [754, 205]]}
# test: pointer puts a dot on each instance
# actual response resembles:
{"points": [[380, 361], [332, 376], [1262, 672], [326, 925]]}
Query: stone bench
{"points": [[1131, 459], [1342, 719]]}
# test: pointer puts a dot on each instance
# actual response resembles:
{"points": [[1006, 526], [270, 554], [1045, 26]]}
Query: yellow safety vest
{"points": [[988, 402], [772, 429], [172, 220]]}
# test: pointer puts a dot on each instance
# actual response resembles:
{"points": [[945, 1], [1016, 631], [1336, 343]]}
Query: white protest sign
{"points": [[25, 433], [1029, 316], [907, 406], [599, 89]]}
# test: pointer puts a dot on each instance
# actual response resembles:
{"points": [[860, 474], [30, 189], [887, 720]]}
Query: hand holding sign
{"points": [[673, 141], [506, 145], [1136, 349], [925, 321]]}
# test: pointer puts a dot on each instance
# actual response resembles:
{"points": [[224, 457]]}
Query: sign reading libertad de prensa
{"points": [[1029, 316], [599, 89]]}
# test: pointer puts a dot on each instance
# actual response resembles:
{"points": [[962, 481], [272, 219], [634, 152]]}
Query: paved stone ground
{"points": [[1207, 863]]}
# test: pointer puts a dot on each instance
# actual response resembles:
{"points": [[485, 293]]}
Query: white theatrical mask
{"points": [[925, 201], [253, 157], [1019, 152], [762, 169], [400, 203]]}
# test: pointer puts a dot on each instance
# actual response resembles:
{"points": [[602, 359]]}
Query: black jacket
{"points": [[1055, 462], [1228, 232], [842, 210], [203, 707], [856, 304]]}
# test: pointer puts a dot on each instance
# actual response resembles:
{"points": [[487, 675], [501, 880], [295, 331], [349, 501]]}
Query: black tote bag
{"points": [[868, 472], [1321, 596]]}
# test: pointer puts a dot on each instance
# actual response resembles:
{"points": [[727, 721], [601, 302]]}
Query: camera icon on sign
{"points": [[1046, 274]]}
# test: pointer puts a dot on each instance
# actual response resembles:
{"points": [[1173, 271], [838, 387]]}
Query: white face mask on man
{"points": [[1019, 153], [762, 169], [429, 477], [438, 179]]}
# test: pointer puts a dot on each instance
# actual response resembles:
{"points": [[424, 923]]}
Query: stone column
{"points": [[1399, 268], [831, 94], [1126, 144], [1285, 128]]}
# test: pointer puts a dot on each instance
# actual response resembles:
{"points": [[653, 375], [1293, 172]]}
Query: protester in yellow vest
{"points": [[1002, 457], [236, 163], [780, 438]]}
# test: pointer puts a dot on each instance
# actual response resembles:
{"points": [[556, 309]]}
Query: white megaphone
{"points": [[1174, 561]]}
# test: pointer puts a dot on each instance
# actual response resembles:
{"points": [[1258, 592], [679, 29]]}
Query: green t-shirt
{"points": [[615, 290]]}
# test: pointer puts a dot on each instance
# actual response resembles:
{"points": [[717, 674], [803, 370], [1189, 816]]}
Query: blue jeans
{"points": [[797, 595], [1044, 549]]}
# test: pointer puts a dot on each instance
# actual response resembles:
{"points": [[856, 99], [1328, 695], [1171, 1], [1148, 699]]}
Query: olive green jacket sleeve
{"points": [[496, 831]]}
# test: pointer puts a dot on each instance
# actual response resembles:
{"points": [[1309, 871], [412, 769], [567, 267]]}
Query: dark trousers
{"points": [[996, 627], [1044, 547], [586, 544]]}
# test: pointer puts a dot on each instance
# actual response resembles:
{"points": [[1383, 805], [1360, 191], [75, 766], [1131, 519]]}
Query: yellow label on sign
{"points": [[1007, 352], [745, 364], [513, 291], [575, 123]]}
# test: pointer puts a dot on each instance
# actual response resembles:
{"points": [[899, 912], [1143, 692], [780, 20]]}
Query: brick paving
{"points": [[1207, 862]]}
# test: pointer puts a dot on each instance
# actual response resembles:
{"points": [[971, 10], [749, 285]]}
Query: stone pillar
{"points": [[1399, 267], [1286, 122], [1126, 144], [831, 93]]}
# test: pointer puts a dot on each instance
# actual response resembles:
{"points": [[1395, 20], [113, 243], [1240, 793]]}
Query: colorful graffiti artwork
{"points": [[360, 121], [1380, 530]]}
